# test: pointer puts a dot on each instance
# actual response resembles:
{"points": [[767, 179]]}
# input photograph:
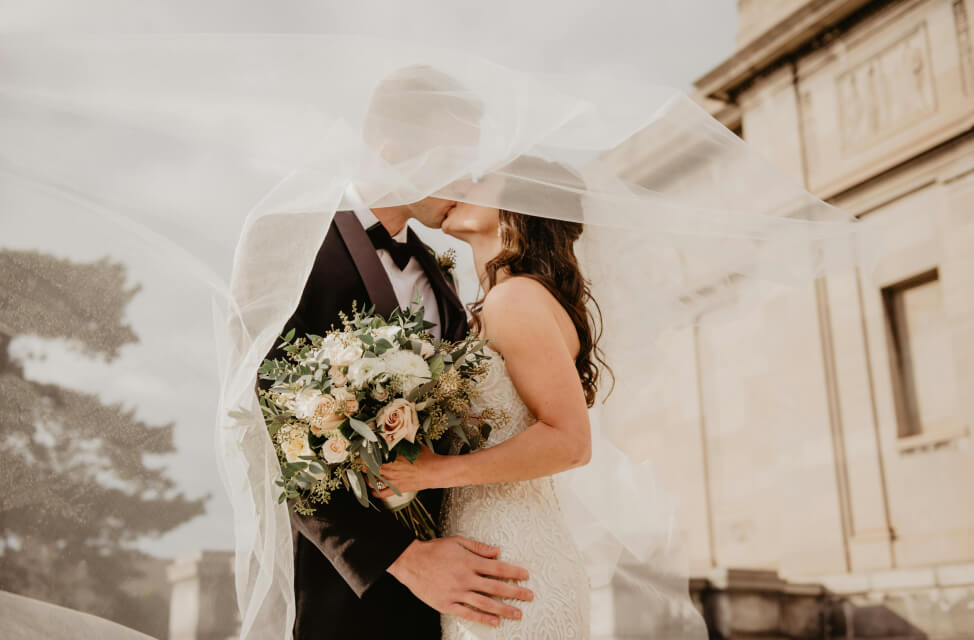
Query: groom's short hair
{"points": [[417, 109]]}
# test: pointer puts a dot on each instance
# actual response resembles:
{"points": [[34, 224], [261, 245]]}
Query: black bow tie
{"points": [[400, 251]]}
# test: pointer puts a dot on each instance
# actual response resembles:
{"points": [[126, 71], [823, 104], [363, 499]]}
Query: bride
{"points": [[544, 374]]}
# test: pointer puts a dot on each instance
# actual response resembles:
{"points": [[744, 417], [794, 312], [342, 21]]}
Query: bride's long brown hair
{"points": [[543, 249]]}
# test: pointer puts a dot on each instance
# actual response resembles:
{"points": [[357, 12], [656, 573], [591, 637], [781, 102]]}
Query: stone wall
{"points": [[809, 411]]}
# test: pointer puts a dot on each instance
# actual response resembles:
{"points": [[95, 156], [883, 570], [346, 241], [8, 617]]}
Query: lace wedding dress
{"points": [[526, 521]]}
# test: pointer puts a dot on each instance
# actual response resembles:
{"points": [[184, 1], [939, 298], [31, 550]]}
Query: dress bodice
{"points": [[525, 520]]}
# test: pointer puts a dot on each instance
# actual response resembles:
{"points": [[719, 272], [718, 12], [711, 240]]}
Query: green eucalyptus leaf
{"points": [[316, 468], [370, 460], [363, 430], [409, 450], [420, 391], [436, 366], [357, 484], [303, 480]]}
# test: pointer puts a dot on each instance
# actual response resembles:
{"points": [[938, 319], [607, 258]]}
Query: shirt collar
{"points": [[366, 217]]}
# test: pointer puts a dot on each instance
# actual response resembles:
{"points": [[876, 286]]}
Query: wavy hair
{"points": [[543, 249]]}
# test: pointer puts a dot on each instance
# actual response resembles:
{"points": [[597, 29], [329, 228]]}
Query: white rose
{"points": [[398, 420], [411, 367], [335, 450], [389, 334], [338, 377], [330, 347], [427, 350], [348, 355], [304, 403], [361, 371], [296, 445], [327, 414], [347, 402]]}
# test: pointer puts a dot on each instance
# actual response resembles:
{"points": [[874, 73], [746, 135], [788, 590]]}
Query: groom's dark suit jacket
{"points": [[341, 554]]}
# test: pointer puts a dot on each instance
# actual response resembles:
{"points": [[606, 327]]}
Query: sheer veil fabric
{"points": [[226, 157]]}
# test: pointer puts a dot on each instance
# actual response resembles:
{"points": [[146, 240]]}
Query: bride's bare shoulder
{"points": [[522, 305], [515, 292]]}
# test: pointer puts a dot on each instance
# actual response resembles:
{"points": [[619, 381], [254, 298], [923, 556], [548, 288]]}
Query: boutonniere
{"points": [[447, 261]]}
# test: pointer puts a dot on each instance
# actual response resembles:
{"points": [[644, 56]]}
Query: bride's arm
{"points": [[520, 319]]}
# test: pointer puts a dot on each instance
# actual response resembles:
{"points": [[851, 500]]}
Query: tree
{"points": [[77, 490]]}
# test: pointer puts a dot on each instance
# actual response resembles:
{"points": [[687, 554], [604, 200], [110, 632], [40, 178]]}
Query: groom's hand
{"points": [[461, 577]]}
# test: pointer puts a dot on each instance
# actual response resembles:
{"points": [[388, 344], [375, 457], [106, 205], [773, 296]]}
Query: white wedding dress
{"points": [[525, 520]]}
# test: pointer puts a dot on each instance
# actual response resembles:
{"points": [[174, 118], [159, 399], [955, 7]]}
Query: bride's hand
{"points": [[426, 472]]}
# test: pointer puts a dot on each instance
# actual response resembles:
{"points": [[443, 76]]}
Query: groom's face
{"points": [[431, 211]]}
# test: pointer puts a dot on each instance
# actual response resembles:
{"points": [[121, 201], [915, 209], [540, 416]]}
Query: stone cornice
{"points": [[786, 37]]}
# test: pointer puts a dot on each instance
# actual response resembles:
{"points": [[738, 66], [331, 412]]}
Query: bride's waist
{"points": [[539, 492]]}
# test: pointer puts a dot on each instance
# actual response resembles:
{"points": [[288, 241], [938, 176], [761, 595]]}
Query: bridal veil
{"points": [[220, 160]]}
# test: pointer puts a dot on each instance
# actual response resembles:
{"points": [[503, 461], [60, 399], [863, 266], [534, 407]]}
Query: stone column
{"points": [[203, 604]]}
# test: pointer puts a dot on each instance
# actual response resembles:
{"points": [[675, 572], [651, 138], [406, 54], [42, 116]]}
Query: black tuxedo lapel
{"points": [[452, 316], [367, 263]]}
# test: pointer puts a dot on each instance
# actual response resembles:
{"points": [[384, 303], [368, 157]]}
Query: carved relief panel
{"points": [[895, 86], [890, 90]]}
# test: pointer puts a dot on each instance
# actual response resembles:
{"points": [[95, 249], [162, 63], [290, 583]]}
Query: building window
{"points": [[923, 371]]}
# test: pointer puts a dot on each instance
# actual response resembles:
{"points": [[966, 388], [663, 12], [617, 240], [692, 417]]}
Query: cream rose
{"points": [[338, 377], [347, 402], [380, 393], [335, 450], [327, 414], [296, 445], [398, 420]]}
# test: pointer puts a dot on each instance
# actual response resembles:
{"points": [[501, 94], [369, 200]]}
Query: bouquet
{"points": [[343, 404]]}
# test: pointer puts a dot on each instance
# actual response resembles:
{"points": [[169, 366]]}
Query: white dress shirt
{"points": [[406, 282]]}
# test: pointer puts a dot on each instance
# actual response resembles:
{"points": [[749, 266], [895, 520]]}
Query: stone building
{"points": [[831, 432]]}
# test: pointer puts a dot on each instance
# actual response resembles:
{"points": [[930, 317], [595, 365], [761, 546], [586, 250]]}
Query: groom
{"points": [[358, 573]]}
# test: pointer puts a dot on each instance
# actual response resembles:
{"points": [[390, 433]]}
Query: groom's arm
{"points": [[360, 543], [453, 575]]}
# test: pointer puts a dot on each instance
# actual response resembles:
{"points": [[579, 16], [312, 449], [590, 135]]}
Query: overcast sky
{"points": [[168, 375], [667, 41]]}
